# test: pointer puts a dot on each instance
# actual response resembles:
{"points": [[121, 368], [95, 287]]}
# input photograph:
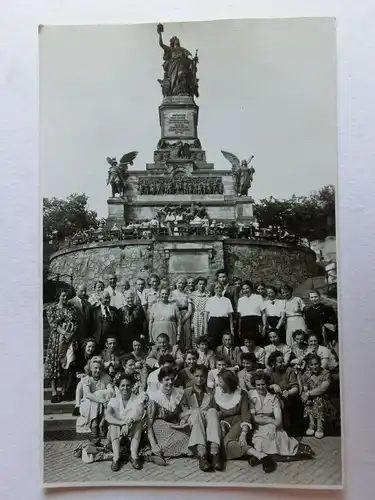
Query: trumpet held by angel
{"points": [[118, 171], [243, 174]]}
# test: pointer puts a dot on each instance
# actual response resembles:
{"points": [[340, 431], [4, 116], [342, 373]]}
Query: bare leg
{"points": [[311, 429], [54, 386], [115, 440], [134, 443], [319, 429]]}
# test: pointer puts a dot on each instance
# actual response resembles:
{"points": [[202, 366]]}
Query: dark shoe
{"points": [[216, 462], [54, 398], [269, 464], [204, 464], [253, 461], [135, 463], [76, 412], [115, 466], [60, 397]]}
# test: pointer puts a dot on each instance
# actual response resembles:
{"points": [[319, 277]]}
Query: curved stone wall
{"points": [[252, 259]]}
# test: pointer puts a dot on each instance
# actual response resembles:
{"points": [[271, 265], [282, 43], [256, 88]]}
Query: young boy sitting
{"points": [[249, 363], [229, 352], [221, 365], [251, 347], [165, 361], [163, 347], [206, 356]]}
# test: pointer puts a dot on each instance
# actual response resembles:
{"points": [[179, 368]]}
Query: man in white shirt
{"points": [[117, 297], [140, 296]]}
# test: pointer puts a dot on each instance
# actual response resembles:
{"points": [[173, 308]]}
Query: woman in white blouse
{"points": [[251, 312], [275, 313], [294, 313], [219, 316]]}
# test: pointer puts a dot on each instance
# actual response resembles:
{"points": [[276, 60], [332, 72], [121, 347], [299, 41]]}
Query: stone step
{"points": [[59, 422], [58, 408]]}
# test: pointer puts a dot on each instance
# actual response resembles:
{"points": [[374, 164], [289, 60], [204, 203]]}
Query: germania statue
{"points": [[180, 68], [242, 174]]}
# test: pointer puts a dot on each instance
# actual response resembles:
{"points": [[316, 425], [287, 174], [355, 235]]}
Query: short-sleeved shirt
{"points": [[250, 306], [219, 307], [274, 307], [294, 307]]}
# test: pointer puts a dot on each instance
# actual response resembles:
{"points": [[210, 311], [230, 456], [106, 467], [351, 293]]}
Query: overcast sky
{"points": [[267, 87]]}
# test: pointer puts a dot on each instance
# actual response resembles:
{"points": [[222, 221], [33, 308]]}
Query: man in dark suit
{"points": [[105, 320], [229, 352], [83, 310]]}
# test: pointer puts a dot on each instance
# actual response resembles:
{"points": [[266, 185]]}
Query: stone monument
{"points": [[180, 174]]}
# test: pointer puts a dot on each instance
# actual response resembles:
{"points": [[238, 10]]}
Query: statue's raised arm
{"points": [[180, 68], [160, 30]]}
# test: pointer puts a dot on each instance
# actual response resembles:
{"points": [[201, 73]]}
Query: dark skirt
{"points": [[217, 326], [272, 322], [250, 325]]}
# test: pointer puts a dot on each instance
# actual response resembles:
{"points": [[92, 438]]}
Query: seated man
{"points": [[111, 354], [221, 365], [165, 360], [200, 413], [229, 352], [249, 363], [163, 347]]}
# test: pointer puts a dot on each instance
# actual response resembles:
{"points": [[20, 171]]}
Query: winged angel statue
{"points": [[242, 174], [118, 172]]}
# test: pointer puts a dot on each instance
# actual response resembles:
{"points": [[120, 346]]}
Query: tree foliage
{"points": [[311, 217], [65, 217]]}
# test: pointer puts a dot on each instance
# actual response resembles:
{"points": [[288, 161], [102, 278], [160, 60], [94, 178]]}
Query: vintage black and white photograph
{"points": [[190, 326]]}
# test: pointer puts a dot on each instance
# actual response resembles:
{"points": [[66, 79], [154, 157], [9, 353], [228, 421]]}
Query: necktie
{"points": [[83, 307], [107, 314]]}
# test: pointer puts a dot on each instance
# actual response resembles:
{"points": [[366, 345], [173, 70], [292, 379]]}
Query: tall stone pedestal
{"points": [[180, 174]]}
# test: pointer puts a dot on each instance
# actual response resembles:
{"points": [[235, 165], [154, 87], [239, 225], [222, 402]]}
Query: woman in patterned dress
{"points": [[63, 323], [294, 313], [183, 302], [167, 438], [315, 383], [198, 300]]}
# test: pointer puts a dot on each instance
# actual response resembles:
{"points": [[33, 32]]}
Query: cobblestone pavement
{"points": [[60, 466]]}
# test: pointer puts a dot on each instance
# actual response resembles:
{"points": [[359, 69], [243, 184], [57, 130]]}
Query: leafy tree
{"points": [[67, 216], [311, 217]]}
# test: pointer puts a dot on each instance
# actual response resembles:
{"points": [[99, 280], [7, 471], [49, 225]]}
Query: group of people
{"points": [[176, 223], [219, 374]]}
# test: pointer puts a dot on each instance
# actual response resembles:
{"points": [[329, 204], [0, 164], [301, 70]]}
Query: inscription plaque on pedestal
{"points": [[178, 123]]}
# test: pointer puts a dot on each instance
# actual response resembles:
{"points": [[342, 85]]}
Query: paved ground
{"points": [[60, 466]]}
